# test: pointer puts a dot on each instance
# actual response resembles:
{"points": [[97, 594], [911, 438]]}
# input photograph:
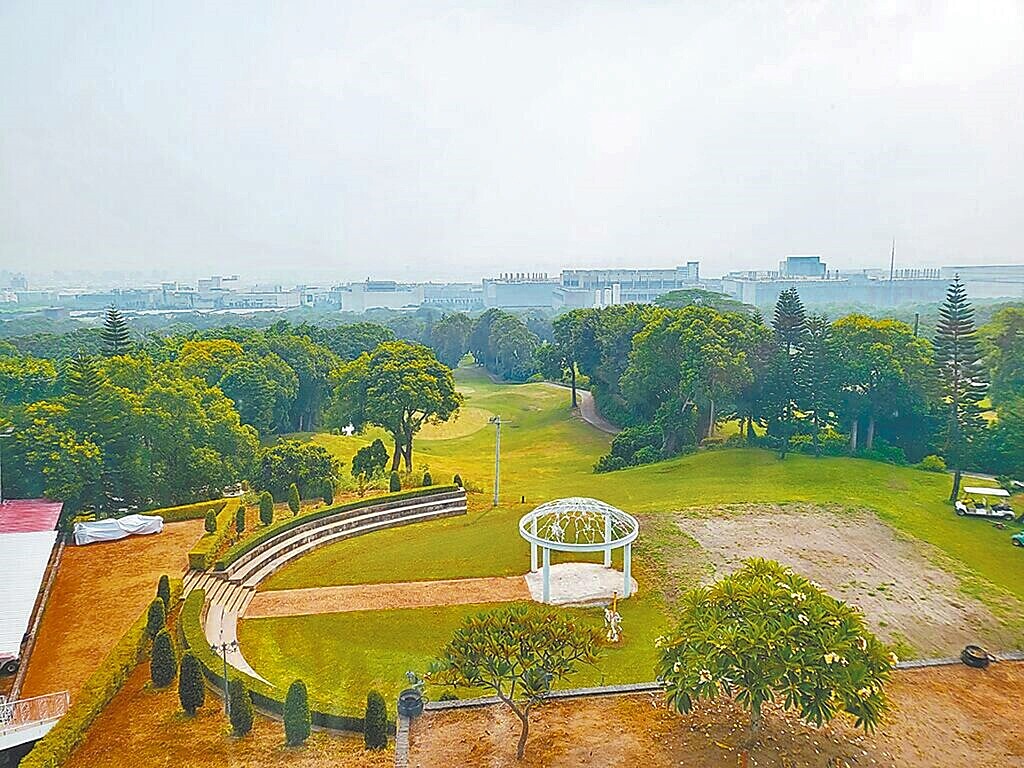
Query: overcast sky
{"points": [[434, 140]]}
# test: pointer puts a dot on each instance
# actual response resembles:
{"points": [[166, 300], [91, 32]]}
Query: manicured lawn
{"points": [[546, 453], [342, 655]]}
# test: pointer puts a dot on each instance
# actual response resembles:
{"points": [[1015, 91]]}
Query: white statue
{"points": [[613, 620]]}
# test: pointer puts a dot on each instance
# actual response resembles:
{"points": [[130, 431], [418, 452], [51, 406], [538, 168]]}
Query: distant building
{"points": [[520, 290], [378, 294], [818, 285], [989, 281], [464, 297], [631, 286]]}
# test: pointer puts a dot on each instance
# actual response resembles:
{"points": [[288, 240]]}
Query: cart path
{"points": [[379, 597]]}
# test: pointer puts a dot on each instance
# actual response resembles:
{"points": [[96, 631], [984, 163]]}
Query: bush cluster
{"points": [[204, 552], [195, 511], [632, 447], [932, 463]]}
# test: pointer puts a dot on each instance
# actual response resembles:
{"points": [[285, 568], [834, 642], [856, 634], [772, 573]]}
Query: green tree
{"points": [[163, 591], [293, 498], [25, 380], [1002, 340], [822, 380], [240, 519], [163, 664], [290, 462], [518, 653], [115, 334], [210, 521], [263, 390], [576, 340], [375, 722], [449, 338], [962, 378], [399, 387], [327, 494], [886, 370], [370, 460], [156, 617], [191, 686], [787, 369], [240, 704], [266, 508], [297, 721], [765, 634], [395, 484]]}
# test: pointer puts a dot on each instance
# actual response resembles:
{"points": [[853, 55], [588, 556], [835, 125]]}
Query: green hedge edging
{"points": [[195, 511], [54, 749], [265, 697], [202, 554], [265, 534]]}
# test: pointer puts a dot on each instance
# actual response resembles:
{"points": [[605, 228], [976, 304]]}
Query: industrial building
{"points": [[818, 285], [520, 290], [378, 294], [631, 286]]}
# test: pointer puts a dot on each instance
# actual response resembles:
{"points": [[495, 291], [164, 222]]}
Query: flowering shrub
{"points": [[766, 634]]}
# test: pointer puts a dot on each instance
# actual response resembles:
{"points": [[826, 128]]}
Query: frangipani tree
{"points": [[765, 634], [517, 653]]}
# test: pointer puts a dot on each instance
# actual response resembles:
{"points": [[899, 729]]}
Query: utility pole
{"points": [[222, 648], [496, 421], [6, 433]]}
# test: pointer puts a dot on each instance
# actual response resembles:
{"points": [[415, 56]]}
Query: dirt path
{"points": [[99, 591], [904, 595], [376, 597], [945, 717]]}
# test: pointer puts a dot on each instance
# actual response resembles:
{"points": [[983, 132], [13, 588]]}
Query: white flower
{"points": [[864, 692], [798, 596], [705, 676], [676, 667], [831, 658], [802, 619]]}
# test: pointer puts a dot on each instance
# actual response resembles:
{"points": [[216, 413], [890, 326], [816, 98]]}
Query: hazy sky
{"points": [[459, 140]]}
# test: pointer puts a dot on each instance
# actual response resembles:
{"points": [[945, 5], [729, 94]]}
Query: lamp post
{"points": [[6, 433], [496, 421], [223, 648]]}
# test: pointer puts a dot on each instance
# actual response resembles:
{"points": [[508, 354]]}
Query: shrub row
{"points": [[54, 749], [284, 524], [195, 511], [266, 697], [203, 554]]}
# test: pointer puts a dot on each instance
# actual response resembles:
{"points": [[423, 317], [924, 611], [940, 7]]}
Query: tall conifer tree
{"points": [[115, 335], [787, 371], [961, 377]]}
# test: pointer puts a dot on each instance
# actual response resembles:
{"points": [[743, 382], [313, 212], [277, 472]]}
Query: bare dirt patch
{"points": [[946, 717], [905, 596], [143, 727], [376, 597], [99, 591]]}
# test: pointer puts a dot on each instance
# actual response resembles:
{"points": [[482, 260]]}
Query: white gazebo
{"points": [[579, 524]]}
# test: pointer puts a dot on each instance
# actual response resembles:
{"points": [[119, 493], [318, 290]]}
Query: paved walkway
{"points": [[376, 597]]}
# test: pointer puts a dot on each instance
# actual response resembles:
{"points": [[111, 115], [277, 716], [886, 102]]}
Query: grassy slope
{"points": [[547, 454]]}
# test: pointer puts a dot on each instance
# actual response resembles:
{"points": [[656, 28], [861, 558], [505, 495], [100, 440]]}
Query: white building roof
{"points": [[23, 557]]}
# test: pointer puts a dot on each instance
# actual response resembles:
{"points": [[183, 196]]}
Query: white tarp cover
{"points": [[117, 528], [23, 557]]}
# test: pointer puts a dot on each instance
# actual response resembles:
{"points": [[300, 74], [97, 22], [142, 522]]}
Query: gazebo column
{"points": [[607, 541], [547, 576], [533, 546], [627, 567]]}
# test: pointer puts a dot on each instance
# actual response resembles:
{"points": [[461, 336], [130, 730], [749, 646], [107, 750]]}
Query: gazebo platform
{"points": [[578, 584]]}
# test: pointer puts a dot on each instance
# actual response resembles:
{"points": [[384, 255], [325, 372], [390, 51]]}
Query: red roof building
{"points": [[29, 515]]}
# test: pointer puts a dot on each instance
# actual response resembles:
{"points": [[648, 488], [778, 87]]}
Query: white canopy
{"points": [[24, 557], [986, 491], [113, 529]]}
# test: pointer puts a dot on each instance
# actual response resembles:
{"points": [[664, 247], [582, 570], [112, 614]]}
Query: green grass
{"points": [[547, 453], [343, 655]]}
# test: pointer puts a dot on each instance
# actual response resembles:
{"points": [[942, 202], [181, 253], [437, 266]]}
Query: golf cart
{"points": [[1018, 539], [985, 502]]}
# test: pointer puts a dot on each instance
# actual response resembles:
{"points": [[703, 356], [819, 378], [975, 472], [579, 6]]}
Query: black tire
{"points": [[10, 667], [961, 512], [975, 656], [1017, 542]]}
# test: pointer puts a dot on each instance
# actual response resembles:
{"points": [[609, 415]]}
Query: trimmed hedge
{"points": [[54, 749], [265, 697], [203, 553], [284, 524], [195, 511]]}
